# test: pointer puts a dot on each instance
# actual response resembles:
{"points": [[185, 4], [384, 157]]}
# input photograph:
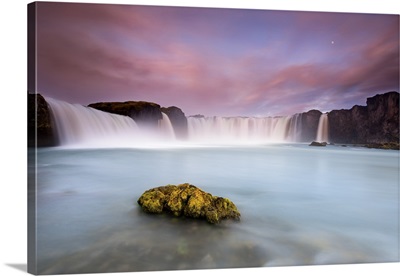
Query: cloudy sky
{"points": [[215, 61]]}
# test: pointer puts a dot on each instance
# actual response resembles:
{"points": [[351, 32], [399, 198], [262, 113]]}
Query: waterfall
{"points": [[238, 129], [77, 125], [322, 133], [295, 127], [166, 128], [281, 129]]}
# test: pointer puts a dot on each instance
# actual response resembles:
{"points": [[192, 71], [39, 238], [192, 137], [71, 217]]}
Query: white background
{"points": [[13, 237]]}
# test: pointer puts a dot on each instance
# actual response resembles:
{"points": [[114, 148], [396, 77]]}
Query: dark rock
{"points": [[348, 126], [378, 122], [383, 118], [197, 116], [178, 121], [144, 113], [40, 127], [318, 144], [309, 125], [389, 146], [189, 201]]}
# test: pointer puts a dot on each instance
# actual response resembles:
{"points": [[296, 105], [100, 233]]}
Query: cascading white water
{"points": [[295, 128], [322, 133], [238, 129], [166, 127], [281, 129], [80, 125]]}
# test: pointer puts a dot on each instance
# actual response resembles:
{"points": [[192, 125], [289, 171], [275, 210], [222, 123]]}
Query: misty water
{"points": [[299, 205]]}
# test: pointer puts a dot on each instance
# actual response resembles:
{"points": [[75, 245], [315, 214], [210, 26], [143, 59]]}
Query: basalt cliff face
{"points": [[147, 114], [383, 118], [309, 125], [178, 120], [40, 128], [378, 122], [144, 113], [348, 126]]}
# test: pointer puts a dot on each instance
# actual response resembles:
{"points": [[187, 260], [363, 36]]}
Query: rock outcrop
{"points": [[147, 114], [318, 144], [188, 200], [383, 118], [378, 122], [40, 127], [197, 116], [178, 120], [309, 125], [144, 113], [348, 126], [388, 146]]}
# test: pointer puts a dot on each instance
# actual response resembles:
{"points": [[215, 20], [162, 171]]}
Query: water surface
{"points": [[300, 206]]}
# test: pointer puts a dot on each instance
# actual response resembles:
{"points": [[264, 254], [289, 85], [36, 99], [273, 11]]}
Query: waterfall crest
{"points": [[239, 129]]}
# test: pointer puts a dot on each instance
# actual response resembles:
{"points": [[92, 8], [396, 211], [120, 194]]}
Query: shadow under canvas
{"points": [[21, 267]]}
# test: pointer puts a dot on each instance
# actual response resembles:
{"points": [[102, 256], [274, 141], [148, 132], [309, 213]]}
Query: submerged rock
{"points": [[391, 146], [189, 201], [318, 144]]}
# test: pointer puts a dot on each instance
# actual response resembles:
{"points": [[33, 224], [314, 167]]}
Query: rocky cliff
{"points": [[309, 125], [147, 114], [40, 127], [378, 122], [178, 120], [383, 118], [348, 126], [144, 113]]}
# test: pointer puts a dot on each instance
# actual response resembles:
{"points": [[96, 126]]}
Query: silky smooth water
{"points": [[299, 205]]}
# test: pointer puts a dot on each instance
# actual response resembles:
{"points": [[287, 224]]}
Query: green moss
{"points": [[175, 202], [152, 201], [190, 201], [212, 216]]}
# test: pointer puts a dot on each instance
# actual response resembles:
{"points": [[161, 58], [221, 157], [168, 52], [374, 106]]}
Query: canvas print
{"points": [[176, 138]]}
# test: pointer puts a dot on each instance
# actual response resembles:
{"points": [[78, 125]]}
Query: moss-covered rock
{"points": [[189, 201]]}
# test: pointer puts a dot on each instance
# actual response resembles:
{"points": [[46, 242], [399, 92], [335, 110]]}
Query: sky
{"points": [[214, 61]]}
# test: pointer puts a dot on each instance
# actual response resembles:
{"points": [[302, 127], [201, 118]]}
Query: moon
{"points": [[332, 42]]}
